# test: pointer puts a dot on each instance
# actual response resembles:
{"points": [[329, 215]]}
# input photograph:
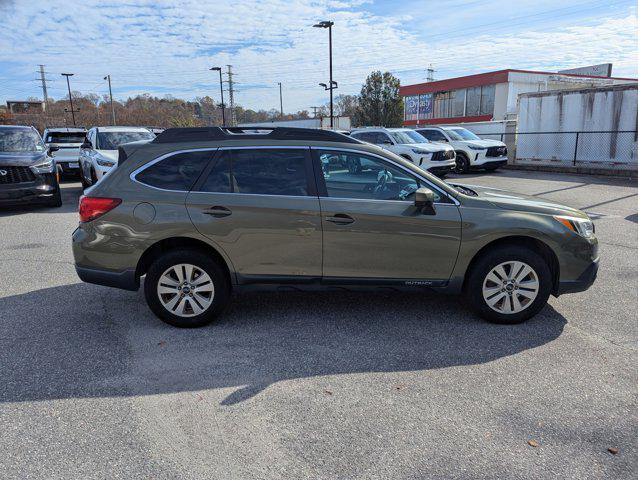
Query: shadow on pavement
{"points": [[81, 340]]}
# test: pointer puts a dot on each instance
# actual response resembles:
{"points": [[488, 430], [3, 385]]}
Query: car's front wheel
{"points": [[186, 288], [462, 163], [509, 285]]}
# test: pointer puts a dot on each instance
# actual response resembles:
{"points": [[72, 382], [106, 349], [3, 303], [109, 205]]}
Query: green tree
{"points": [[379, 102]]}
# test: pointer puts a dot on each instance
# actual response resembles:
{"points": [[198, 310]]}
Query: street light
{"points": [[221, 90], [67, 75], [328, 24]]}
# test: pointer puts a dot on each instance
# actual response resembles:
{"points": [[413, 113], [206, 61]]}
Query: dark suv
{"points": [[27, 170], [201, 212]]}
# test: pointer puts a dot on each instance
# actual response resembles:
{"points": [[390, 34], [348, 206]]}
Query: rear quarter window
{"points": [[177, 172]]}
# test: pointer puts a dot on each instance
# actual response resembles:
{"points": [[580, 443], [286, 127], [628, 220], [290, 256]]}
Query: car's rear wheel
{"points": [[186, 288], [93, 176], [462, 163], [509, 285]]}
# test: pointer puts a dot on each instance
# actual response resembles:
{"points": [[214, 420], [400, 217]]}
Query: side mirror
{"points": [[386, 142], [86, 144], [424, 200], [53, 149]]}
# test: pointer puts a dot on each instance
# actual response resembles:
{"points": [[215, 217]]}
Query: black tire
{"points": [[473, 290], [202, 261], [462, 163], [56, 200], [93, 176], [83, 181]]}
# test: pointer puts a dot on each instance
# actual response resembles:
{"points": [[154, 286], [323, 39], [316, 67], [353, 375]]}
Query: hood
{"points": [[484, 143], [523, 203], [20, 159], [429, 147]]}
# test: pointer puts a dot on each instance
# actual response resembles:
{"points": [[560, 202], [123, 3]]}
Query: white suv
{"points": [[471, 151], [98, 153], [68, 141], [435, 157]]}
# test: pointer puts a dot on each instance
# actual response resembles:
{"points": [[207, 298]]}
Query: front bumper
{"points": [[441, 170], [42, 189], [479, 159], [582, 283]]}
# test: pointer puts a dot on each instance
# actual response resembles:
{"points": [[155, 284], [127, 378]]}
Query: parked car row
{"points": [[31, 165], [438, 150]]}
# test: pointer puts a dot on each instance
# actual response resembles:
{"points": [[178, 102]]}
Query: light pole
{"points": [[68, 84], [108, 77], [281, 101], [328, 24], [221, 91]]}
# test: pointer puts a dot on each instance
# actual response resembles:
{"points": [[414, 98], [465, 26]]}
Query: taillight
{"points": [[94, 207]]}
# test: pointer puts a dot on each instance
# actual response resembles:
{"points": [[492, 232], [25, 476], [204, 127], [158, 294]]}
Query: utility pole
{"points": [[281, 102], [231, 94], [328, 24], [68, 84], [44, 86], [221, 91], [108, 77], [430, 70]]}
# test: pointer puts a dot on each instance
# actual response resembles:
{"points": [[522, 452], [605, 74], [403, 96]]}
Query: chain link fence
{"points": [[612, 149]]}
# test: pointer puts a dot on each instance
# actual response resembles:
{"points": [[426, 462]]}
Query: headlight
{"points": [[421, 152], [103, 162], [476, 147], [582, 226], [45, 166]]}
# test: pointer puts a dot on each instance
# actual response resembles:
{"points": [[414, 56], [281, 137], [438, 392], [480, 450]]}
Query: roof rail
{"points": [[203, 134]]}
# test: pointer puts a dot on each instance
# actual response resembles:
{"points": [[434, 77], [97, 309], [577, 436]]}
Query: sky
{"points": [[166, 47]]}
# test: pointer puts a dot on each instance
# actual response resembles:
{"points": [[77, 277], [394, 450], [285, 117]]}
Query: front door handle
{"points": [[217, 211], [340, 219]]}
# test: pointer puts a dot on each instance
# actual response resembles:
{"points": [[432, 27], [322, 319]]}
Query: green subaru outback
{"points": [[201, 212]]}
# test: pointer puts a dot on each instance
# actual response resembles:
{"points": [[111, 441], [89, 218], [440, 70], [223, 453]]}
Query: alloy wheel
{"points": [[510, 287], [185, 290]]}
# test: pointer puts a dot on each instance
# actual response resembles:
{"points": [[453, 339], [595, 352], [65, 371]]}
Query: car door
{"points": [[372, 230], [260, 206]]}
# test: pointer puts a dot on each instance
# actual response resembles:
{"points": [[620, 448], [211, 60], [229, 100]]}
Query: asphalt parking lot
{"points": [[332, 385]]}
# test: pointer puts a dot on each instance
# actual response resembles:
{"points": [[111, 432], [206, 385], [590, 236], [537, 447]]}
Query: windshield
{"points": [[112, 140], [20, 140], [461, 134], [65, 137], [408, 136]]}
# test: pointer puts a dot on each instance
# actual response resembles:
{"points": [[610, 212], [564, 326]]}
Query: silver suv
{"points": [[202, 212]]}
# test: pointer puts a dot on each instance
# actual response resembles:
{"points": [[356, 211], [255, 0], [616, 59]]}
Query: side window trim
{"points": [[323, 191], [140, 169]]}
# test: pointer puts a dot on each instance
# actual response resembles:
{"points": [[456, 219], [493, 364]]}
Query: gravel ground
{"points": [[330, 385]]}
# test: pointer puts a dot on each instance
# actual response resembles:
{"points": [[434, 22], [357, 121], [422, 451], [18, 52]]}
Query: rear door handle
{"points": [[340, 219], [217, 211]]}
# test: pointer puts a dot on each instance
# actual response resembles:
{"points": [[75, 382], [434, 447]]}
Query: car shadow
{"points": [[82, 340]]}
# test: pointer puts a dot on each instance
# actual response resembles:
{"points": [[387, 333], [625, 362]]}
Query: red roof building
{"points": [[486, 96]]}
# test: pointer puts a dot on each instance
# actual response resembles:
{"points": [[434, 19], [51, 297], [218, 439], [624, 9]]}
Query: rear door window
{"points": [[177, 172], [261, 171]]}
